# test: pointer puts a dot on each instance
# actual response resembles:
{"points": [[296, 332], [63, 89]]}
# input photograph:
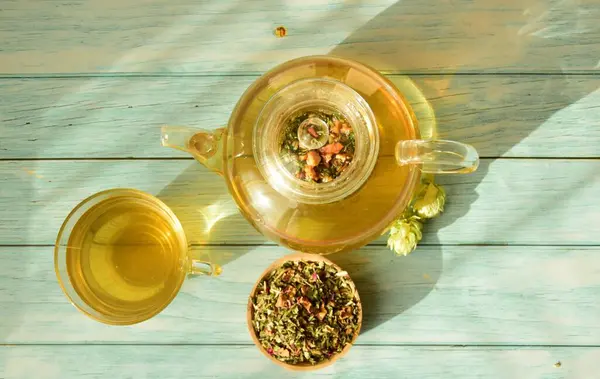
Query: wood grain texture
{"points": [[85, 85], [540, 202], [46, 36], [511, 116], [56, 362], [452, 295]]}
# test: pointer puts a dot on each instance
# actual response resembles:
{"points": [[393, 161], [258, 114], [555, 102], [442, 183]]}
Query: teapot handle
{"points": [[438, 156], [204, 145]]}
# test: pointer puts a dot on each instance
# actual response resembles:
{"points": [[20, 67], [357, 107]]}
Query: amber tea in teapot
{"points": [[321, 154]]}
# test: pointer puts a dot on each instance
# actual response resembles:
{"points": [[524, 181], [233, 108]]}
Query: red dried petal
{"points": [[332, 148]]}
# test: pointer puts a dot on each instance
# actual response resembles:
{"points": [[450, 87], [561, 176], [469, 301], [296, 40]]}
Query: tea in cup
{"points": [[121, 256]]}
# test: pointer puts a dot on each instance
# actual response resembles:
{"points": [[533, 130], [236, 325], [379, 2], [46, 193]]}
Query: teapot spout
{"points": [[206, 146], [177, 137]]}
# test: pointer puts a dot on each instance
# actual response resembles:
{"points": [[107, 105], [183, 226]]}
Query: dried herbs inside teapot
{"points": [[327, 150], [305, 312]]}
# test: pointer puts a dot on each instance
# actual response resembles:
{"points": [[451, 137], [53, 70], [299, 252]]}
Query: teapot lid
{"points": [[302, 121]]}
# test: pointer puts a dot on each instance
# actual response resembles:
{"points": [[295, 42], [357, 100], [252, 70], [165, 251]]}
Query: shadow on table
{"points": [[493, 36], [390, 285], [206, 215], [387, 284], [407, 35]]}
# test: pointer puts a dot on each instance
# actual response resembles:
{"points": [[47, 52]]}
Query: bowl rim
{"points": [[249, 312]]}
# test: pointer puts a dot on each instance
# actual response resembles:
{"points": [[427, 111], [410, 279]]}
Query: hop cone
{"points": [[430, 201], [405, 233]]}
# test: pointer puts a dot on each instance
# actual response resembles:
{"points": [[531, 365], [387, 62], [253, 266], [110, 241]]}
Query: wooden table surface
{"points": [[506, 284]]}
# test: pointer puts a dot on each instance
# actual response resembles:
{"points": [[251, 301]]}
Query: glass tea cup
{"points": [[121, 257]]}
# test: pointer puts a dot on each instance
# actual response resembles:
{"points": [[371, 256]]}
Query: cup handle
{"points": [[197, 267], [438, 156]]}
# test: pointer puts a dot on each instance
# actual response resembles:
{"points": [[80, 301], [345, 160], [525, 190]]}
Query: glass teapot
{"points": [[321, 154]]}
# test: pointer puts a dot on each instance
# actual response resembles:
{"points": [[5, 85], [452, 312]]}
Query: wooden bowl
{"points": [[250, 311]]}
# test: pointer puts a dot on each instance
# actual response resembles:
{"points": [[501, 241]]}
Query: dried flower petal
{"points": [[280, 301], [335, 128], [322, 313], [313, 158], [332, 148], [346, 313], [305, 303]]}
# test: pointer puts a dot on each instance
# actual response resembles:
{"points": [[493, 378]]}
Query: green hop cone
{"points": [[430, 200], [405, 233]]}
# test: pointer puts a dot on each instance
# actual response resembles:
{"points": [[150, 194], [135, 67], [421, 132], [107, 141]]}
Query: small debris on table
{"points": [[280, 31]]}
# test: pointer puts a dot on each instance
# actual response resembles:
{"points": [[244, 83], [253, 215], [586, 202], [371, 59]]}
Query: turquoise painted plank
{"points": [[539, 202], [173, 362], [237, 36], [509, 115], [455, 295]]}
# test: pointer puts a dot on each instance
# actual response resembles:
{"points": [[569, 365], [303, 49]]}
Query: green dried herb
{"points": [[305, 312]]}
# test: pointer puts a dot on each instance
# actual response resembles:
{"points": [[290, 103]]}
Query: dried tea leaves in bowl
{"points": [[305, 312]]}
